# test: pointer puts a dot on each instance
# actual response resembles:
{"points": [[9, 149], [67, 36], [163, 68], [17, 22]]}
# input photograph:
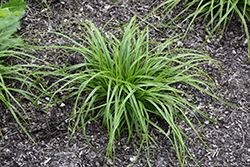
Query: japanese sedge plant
{"points": [[123, 81], [210, 10]]}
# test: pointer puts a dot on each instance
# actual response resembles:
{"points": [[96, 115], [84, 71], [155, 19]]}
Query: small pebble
{"points": [[245, 42], [206, 122], [62, 105], [132, 159], [107, 7]]}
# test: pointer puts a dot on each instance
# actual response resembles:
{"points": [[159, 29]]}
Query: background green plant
{"points": [[24, 75], [10, 16], [211, 11], [22, 72], [223, 10], [124, 81]]}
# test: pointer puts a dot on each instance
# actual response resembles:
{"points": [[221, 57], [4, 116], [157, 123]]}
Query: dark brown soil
{"points": [[228, 139]]}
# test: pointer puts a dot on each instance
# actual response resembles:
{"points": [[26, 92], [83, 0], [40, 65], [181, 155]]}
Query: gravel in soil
{"points": [[228, 138]]}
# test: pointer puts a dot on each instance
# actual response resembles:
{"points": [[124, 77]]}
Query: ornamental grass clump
{"points": [[126, 81]]}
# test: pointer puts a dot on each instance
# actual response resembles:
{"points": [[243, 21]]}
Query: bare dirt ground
{"points": [[228, 138]]}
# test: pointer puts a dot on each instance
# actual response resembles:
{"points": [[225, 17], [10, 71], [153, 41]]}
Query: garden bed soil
{"points": [[228, 138]]}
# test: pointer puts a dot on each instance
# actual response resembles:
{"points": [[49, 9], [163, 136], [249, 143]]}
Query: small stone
{"points": [[47, 98], [110, 161], [208, 41], [132, 159], [234, 52], [206, 122], [97, 163], [6, 137], [107, 7], [62, 105], [221, 118], [179, 43], [61, 42], [245, 43]]}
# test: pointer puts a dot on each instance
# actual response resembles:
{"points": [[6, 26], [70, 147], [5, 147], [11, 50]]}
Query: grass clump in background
{"points": [[212, 11], [22, 75], [124, 81], [223, 10], [16, 67], [10, 15]]}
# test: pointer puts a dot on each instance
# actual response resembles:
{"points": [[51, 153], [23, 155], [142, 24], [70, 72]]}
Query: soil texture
{"points": [[228, 138]]}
